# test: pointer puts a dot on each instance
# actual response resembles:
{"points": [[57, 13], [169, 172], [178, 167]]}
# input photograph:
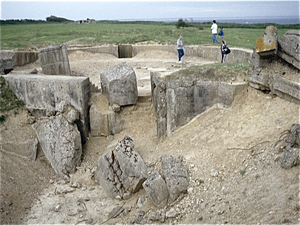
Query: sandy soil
{"points": [[233, 157]]}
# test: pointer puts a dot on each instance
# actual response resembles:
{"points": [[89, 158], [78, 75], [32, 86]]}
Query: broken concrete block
{"points": [[119, 84], [7, 62], [45, 95], [61, 144], [290, 157], [121, 171], [289, 47], [156, 188], [54, 60], [268, 45], [176, 176], [293, 138]]}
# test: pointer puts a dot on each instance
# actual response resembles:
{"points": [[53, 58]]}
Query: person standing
{"points": [[221, 33], [223, 51], [214, 30], [180, 48]]}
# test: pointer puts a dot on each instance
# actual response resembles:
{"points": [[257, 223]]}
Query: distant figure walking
{"points": [[221, 33], [180, 48], [214, 30], [223, 51]]}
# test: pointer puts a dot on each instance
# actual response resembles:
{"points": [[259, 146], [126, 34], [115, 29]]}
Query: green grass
{"points": [[212, 72], [8, 100], [28, 36]]}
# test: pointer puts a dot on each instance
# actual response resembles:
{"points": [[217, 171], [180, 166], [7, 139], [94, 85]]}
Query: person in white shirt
{"points": [[180, 48], [214, 30]]}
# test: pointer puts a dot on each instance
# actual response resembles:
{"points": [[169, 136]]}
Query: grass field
{"points": [[34, 36]]}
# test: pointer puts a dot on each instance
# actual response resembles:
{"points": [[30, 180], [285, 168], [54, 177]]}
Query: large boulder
{"points": [[121, 171], [289, 47], [119, 84], [61, 144]]}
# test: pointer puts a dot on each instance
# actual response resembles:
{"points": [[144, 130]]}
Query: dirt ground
{"points": [[232, 154]]}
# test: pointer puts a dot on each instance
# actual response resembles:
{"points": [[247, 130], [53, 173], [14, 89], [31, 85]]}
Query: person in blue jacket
{"points": [[221, 33]]}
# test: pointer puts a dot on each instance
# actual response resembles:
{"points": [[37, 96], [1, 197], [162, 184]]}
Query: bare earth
{"points": [[233, 156]]}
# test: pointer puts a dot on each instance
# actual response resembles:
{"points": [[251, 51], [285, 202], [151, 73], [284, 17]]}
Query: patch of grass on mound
{"points": [[8, 100], [213, 72]]}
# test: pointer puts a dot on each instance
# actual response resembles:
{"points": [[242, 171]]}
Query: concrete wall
{"points": [[208, 52], [22, 58], [105, 49], [176, 102], [45, 94]]}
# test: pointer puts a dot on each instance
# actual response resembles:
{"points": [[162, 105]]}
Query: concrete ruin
{"points": [[177, 100], [7, 62], [278, 71], [122, 171], [54, 60], [61, 143], [119, 84], [104, 120], [46, 95]]}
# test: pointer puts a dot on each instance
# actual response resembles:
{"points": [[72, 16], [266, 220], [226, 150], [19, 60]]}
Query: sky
{"points": [[167, 10]]}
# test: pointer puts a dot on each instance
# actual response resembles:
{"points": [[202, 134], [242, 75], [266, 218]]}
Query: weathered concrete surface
{"points": [[268, 45], [157, 189], [6, 62], [54, 60], [293, 137], [290, 157], [61, 144], [105, 49], [289, 47], [119, 84], [271, 72], [45, 95], [176, 102], [175, 174], [104, 121], [121, 171], [22, 58]]}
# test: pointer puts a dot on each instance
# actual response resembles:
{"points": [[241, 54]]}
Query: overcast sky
{"points": [[146, 10]]}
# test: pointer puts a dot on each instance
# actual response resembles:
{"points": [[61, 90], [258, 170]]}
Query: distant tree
{"points": [[57, 19], [181, 23]]}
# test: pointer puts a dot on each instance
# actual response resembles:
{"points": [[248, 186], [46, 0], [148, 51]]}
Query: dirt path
{"points": [[235, 173]]}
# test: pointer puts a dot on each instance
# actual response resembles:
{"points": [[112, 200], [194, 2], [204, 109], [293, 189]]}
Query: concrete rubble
{"points": [[61, 144], [46, 95], [121, 171], [157, 189], [7, 62], [268, 44], [175, 174], [119, 84], [282, 52]]}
